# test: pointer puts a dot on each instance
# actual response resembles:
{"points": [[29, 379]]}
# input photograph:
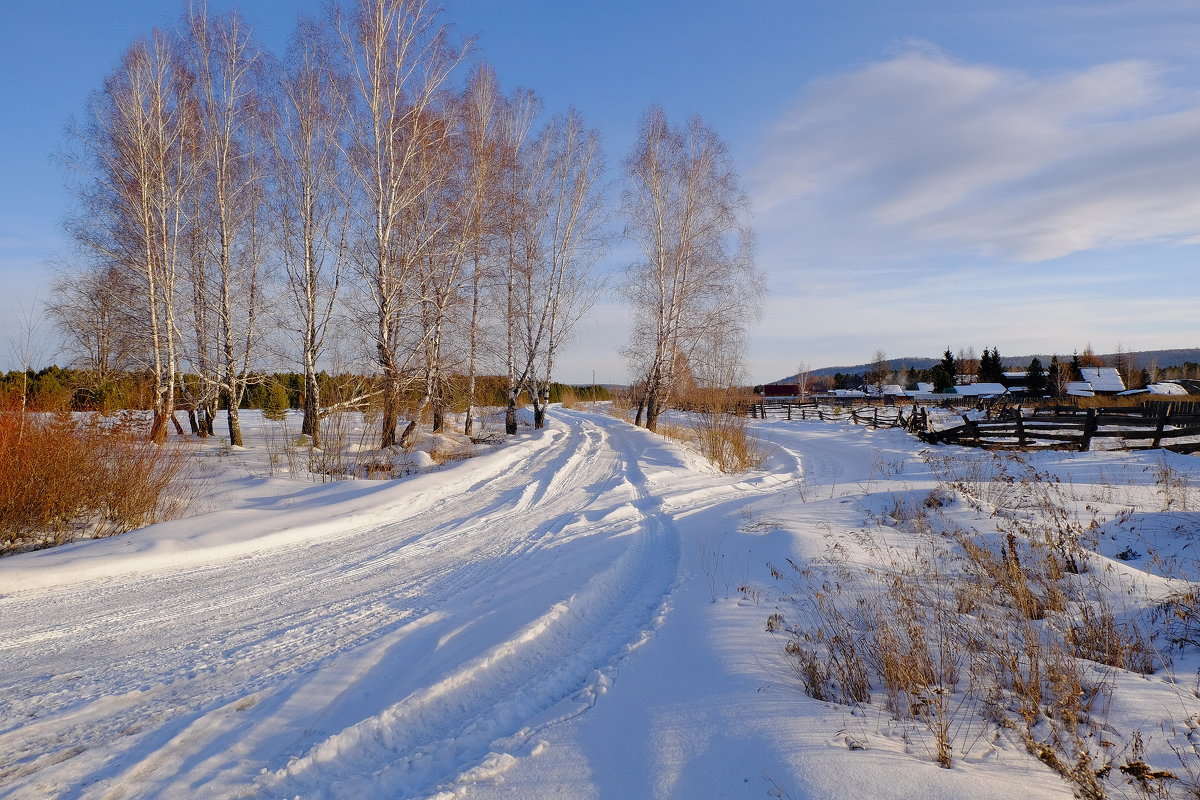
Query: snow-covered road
{"points": [[380, 653]]}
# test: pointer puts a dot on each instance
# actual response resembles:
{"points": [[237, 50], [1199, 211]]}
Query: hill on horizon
{"points": [[1141, 359]]}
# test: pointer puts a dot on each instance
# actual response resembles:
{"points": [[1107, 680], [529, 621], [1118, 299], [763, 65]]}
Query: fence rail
{"points": [[915, 418], [1149, 426]]}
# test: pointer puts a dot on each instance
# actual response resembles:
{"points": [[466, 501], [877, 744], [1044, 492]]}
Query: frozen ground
{"points": [[577, 614]]}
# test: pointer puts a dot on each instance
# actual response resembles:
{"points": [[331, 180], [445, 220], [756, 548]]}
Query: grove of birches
{"points": [[372, 202]]}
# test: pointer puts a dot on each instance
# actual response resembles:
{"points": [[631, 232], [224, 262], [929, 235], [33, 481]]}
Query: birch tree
{"points": [[572, 204], [517, 199], [310, 198], [133, 201], [434, 249], [481, 140], [696, 286], [399, 59], [230, 108]]}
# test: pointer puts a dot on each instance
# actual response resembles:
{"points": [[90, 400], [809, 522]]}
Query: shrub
{"points": [[63, 479], [723, 440]]}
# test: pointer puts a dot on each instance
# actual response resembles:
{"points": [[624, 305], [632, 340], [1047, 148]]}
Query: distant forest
{"points": [[60, 389]]}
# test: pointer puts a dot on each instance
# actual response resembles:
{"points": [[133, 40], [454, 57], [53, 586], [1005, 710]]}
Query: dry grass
{"points": [[721, 438], [973, 635], [63, 479], [450, 454]]}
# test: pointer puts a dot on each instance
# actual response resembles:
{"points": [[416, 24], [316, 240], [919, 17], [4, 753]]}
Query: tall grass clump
{"points": [[63, 478], [717, 427], [722, 437]]}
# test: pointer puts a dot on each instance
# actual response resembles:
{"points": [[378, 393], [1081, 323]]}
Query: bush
{"points": [[62, 479]]}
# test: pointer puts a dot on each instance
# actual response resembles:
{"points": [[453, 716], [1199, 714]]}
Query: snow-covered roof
{"points": [[1016, 374], [978, 389], [1166, 388], [893, 390], [1103, 379], [1079, 389]]}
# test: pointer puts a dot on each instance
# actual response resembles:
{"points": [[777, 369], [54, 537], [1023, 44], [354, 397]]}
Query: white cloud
{"points": [[922, 153]]}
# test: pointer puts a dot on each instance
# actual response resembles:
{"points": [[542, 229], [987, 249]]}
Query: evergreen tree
{"points": [[950, 365], [1035, 381], [275, 403], [990, 368]]}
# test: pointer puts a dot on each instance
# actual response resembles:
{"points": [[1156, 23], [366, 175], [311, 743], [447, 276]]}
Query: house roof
{"points": [[1079, 389], [977, 389], [1103, 379]]}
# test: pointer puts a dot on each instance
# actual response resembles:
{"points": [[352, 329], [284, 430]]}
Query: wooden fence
{"points": [[1063, 428], [913, 419], [1151, 425]]}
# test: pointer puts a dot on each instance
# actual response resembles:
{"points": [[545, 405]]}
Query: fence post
{"points": [[1089, 430], [789, 411], [1020, 429], [1162, 422]]}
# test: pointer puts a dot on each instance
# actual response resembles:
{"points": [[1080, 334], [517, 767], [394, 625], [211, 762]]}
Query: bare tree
{"points": [[802, 370], [968, 365], [517, 199], [437, 249], [310, 200], [133, 202], [230, 105], [697, 285], [878, 372], [552, 207], [481, 139], [570, 165], [94, 324], [399, 60]]}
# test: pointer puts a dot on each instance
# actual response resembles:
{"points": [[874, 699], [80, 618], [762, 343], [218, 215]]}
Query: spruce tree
{"points": [[950, 365], [1035, 380]]}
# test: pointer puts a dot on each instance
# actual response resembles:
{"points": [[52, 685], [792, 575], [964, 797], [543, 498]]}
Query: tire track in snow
{"points": [[229, 655], [554, 668]]}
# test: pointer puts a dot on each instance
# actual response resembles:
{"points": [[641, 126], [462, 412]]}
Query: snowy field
{"points": [[580, 613]]}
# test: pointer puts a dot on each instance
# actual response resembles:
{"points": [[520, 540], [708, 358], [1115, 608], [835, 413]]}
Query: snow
{"points": [[1103, 379], [579, 612], [980, 389]]}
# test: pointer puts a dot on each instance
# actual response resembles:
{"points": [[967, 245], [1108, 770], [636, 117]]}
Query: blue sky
{"points": [[1024, 175]]}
